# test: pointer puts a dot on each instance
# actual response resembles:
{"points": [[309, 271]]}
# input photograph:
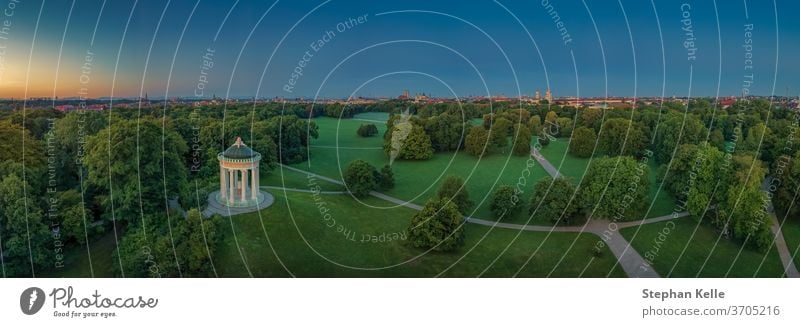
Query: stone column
{"points": [[254, 187], [244, 184], [223, 188], [231, 186]]}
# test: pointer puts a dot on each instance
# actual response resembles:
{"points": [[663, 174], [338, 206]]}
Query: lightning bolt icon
{"points": [[34, 296]]}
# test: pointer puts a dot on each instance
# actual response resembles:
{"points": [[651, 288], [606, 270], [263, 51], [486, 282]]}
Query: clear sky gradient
{"points": [[443, 48]]}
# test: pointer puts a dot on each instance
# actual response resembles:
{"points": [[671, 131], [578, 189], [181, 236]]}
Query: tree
{"points": [[407, 140], [477, 142], [499, 133], [24, 235], [291, 135], [760, 139], [169, 246], [553, 200], [741, 210], [621, 136], [367, 130], [438, 226], [454, 190], [145, 166], [590, 118], [710, 183], [196, 240], [583, 141], [564, 126], [717, 139], [385, 178], [12, 152], [446, 132], [681, 170], [551, 117], [615, 188], [505, 202], [359, 177], [788, 174], [551, 127], [69, 133], [535, 124], [522, 140], [544, 138], [676, 130], [74, 218]]}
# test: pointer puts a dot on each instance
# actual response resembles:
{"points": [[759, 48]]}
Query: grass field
{"points": [[417, 181], [791, 233], [292, 236], [332, 251], [722, 263]]}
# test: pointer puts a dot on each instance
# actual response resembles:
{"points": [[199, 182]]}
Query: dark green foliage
{"points": [[21, 226], [505, 202], [477, 142], [360, 178], [583, 142], [498, 133], [522, 140], [446, 132], [544, 138], [675, 130], [169, 247], [615, 188], [620, 136], [787, 174], [454, 190], [142, 173], [556, 203], [367, 130], [291, 135], [407, 140], [385, 178], [710, 183], [535, 124], [742, 210], [681, 171], [439, 226]]}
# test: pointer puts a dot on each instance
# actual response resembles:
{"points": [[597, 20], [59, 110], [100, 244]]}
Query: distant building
{"points": [[404, 96]]}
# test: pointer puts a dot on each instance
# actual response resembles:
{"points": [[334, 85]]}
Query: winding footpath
{"points": [[632, 263], [780, 243]]}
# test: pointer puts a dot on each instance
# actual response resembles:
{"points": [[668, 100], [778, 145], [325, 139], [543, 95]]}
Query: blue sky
{"points": [[444, 48]]}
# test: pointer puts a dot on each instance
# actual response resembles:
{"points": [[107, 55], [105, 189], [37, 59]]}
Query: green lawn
{"points": [[667, 252], [288, 178], [574, 168], [417, 181], [791, 233], [341, 246]]}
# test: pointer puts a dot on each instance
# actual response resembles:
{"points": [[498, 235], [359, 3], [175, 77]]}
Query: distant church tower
{"points": [[538, 96], [548, 96]]}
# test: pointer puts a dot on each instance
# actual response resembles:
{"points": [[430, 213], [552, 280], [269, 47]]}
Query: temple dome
{"points": [[239, 150]]}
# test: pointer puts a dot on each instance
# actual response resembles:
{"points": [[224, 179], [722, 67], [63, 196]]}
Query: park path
{"points": [[300, 190], [548, 167], [630, 260], [780, 243]]}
